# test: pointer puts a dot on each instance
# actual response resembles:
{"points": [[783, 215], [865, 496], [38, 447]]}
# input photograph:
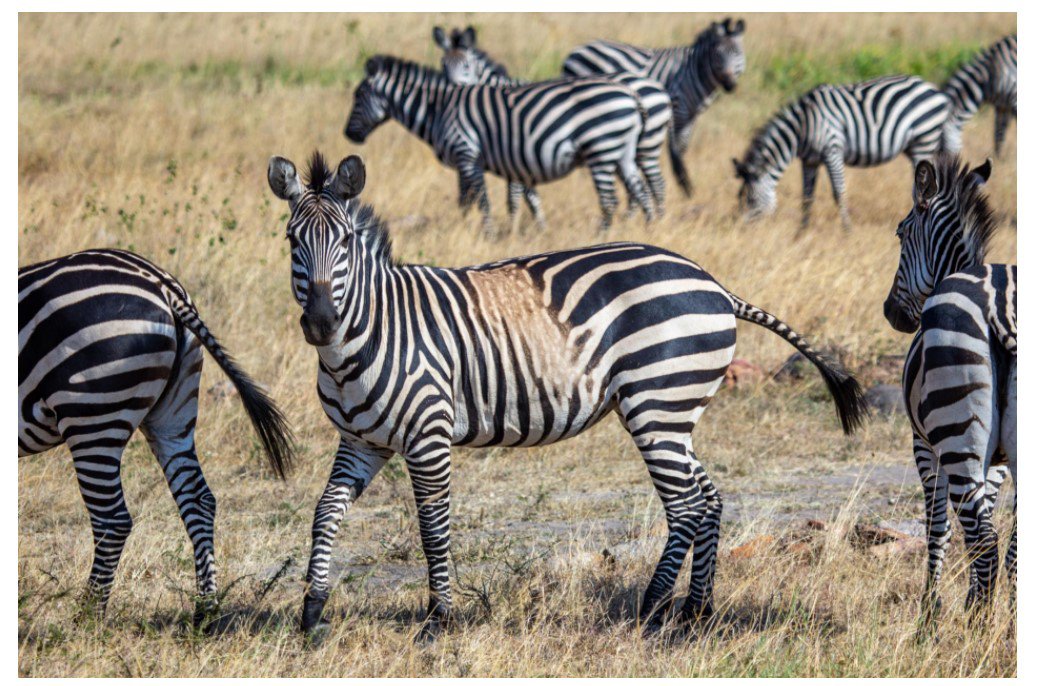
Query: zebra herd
{"points": [[531, 350]]}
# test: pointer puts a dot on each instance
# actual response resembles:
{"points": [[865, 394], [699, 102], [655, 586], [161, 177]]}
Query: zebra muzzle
{"points": [[319, 318]]}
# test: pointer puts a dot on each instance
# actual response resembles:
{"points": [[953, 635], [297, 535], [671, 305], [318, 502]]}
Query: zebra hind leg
{"points": [[670, 467], [699, 606], [937, 526], [604, 180], [649, 167], [531, 196], [97, 465], [636, 187]]}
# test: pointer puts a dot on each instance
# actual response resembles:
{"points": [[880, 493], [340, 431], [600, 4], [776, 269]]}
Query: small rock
{"points": [[910, 527], [887, 399], [792, 369], [906, 547], [223, 389], [752, 548], [864, 536], [742, 373], [816, 524]]}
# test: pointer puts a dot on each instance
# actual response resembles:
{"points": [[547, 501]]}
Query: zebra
{"points": [[690, 74], [859, 125], [465, 64], [108, 343], [991, 77], [526, 351], [961, 372], [530, 134]]}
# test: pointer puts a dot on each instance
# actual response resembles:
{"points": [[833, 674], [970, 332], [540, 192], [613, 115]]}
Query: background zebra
{"points": [[690, 74], [109, 343], [522, 352], [465, 64], [961, 372], [990, 78], [530, 134], [859, 125]]}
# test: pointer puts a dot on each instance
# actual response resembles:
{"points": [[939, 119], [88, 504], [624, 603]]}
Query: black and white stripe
{"points": [[690, 74], [961, 372], [858, 125], [465, 64], [522, 352], [529, 134], [991, 78], [109, 343]]}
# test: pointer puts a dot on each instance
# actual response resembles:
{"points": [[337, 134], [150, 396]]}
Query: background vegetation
{"points": [[152, 132]]}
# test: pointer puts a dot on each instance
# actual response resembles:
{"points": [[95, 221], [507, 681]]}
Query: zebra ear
{"points": [[468, 38], [349, 180], [441, 38], [740, 26], [740, 169], [982, 172], [372, 66], [283, 179], [924, 184]]}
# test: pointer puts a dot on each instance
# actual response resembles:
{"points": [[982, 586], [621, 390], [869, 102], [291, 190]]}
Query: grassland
{"points": [[152, 132]]}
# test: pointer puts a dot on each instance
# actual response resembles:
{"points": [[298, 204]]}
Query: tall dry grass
{"points": [[152, 132]]}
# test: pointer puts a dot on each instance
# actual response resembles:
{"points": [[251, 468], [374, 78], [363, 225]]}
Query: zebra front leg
{"points": [[809, 175], [680, 135], [353, 470], [1002, 117], [670, 468], [604, 180], [531, 196], [472, 190], [937, 527], [835, 166], [430, 472], [699, 606], [96, 460]]}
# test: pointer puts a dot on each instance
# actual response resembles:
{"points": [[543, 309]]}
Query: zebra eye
{"points": [[345, 241]]}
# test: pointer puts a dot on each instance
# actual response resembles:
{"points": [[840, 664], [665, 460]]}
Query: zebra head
{"points": [[757, 193], [461, 62], [320, 231], [947, 230], [727, 58], [370, 106]]}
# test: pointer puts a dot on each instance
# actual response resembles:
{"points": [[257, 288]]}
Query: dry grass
{"points": [[152, 132]]}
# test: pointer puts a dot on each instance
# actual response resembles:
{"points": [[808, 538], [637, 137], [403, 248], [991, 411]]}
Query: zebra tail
{"points": [[848, 396], [269, 422]]}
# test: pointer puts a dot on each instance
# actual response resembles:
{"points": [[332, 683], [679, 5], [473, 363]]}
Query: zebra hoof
{"points": [[318, 634], [311, 612], [697, 620], [429, 632], [206, 616]]}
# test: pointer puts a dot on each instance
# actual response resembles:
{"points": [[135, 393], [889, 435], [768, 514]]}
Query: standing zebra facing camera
{"points": [[465, 64], [992, 77], [526, 351], [960, 376], [857, 125], [528, 134], [691, 75], [109, 343]]}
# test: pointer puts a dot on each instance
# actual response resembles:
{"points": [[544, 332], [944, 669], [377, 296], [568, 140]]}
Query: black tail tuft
{"points": [[848, 396], [269, 422]]}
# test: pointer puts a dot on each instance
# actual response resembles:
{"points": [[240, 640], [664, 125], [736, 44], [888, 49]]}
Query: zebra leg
{"points": [[994, 479], [513, 192], [649, 167], [96, 460], [680, 135], [603, 179], [430, 473], [1002, 117], [699, 606], [810, 174], [170, 429], [967, 494], [353, 470], [472, 190], [937, 526], [671, 469], [531, 196], [835, 166]]}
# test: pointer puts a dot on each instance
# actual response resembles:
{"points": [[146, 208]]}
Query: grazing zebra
{"points": [[961, 372], [859, 125], [690, 74], [465, 64], [109, 343], [529, 134], [527, 351], [991, 77]]}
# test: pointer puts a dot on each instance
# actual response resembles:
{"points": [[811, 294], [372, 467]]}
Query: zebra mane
{"points": [[372, 230], [389, 63], [318, 173], [978, 222]]}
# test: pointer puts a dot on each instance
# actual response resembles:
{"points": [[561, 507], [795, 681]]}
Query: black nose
{"points": [[897, 317], [319, 318]]}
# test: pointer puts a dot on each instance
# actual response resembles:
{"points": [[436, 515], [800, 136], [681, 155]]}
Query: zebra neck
{"points": [[695, 82], [417, 105], [779, 143]]}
